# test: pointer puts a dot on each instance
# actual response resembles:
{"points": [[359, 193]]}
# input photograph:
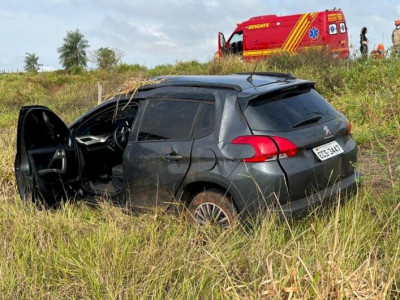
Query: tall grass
{"points": [[348, 251], [351, 251]]}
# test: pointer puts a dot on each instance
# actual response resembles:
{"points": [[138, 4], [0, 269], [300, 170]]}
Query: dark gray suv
{"points": [[222, 146]]}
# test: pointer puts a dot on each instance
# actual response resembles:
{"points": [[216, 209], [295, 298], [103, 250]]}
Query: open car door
{"points": [[222, 50], [46, 165]]}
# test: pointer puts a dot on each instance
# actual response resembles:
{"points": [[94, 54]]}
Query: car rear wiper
{"points": [[312, 119]]}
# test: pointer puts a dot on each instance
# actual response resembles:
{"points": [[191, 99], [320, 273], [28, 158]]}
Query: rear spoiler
{"points": [[271, 74], [279, 89]]}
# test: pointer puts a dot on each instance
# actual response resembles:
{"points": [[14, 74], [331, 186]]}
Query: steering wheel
{"points": [[121, 134]]}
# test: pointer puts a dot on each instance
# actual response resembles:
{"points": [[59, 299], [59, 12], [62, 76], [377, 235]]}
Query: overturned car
{"points": [[225, 147]]}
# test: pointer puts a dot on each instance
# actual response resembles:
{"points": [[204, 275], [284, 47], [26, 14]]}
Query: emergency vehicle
{"points": [[263, 36]]}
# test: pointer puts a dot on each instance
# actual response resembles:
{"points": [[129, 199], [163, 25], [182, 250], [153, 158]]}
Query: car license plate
{"points": [[328, 150]]}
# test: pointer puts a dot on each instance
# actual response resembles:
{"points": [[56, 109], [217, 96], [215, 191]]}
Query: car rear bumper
{"points": [[301, 207]]}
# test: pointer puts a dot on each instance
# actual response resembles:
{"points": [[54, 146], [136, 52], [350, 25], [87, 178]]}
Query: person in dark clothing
{"points": [[364, 43]]}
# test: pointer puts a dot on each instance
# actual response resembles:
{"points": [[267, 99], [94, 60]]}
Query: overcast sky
{"points": [[152, 32]]}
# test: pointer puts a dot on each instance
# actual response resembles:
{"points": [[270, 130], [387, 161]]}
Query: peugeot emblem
{"points": [[327, 131]]}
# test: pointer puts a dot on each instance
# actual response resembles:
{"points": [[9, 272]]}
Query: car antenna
{"points": [[250, 78]]}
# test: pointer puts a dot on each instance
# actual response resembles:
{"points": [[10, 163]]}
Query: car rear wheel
{"points": [[213, 207]]}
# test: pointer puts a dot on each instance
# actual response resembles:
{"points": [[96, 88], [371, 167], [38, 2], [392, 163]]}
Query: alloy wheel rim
{"points": [[211, 213]]}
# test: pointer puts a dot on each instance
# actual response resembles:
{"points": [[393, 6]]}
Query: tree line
{"points": [[74, 55]]}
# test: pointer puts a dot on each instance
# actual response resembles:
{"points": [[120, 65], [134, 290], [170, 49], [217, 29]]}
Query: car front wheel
{"points": [[213, 207]]}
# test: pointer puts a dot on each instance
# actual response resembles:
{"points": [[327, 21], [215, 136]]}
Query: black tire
{"points": [[213, 206]]}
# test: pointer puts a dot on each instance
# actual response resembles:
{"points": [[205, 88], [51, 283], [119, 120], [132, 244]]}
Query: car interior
{"points": [[101, 141]]}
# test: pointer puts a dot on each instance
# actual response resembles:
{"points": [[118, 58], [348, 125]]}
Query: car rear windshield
{"points": [[288, 110]]}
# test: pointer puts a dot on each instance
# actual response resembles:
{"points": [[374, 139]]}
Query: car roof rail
{"points": [[192, 84], [271, 74]]}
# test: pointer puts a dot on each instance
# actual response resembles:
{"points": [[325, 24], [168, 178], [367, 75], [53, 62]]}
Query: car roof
{"points": [[247, 86], [238, 82]]}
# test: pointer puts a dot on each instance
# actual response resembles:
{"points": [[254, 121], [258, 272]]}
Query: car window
{"points": [[43, 128], [164, 120], [108, 120], [236, 43], [286, 111], [205, 121]]}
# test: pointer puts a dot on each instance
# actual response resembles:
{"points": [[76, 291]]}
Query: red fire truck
{"points": [[263, 36]]}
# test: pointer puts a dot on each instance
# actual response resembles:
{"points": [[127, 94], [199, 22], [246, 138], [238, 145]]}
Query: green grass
{"points": [[347, 251]]}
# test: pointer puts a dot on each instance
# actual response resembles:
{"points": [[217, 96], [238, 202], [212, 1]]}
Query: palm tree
{"points": [[73, 51], [31, 62]]}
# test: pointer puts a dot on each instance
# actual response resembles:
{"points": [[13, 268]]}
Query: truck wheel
{"points": [[213, 207]]}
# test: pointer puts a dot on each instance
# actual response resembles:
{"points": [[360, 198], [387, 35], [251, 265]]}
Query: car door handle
{"points": [[58, 155], [173, 157]]}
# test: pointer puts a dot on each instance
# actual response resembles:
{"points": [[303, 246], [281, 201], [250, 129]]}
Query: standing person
{"points": [[396, 38], [364, 43]]}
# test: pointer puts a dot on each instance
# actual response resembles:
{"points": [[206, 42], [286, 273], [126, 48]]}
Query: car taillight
{"points": [[286, 147], [267, 147], [348, 131]]}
